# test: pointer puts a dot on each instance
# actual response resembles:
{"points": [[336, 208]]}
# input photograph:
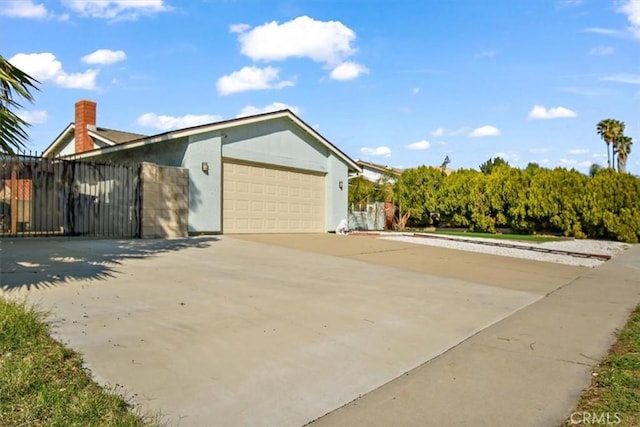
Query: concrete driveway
{"points": [[230, 332]]}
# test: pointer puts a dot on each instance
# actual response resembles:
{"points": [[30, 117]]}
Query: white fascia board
{"points": [[101, 138], [181, 133], [59, 140]]}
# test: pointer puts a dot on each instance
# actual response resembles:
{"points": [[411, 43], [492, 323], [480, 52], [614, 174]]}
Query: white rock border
{"points": [[583, 246]]}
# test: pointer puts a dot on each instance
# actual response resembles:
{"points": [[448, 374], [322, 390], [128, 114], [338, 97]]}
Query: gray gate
{"points": [[52, 196]]}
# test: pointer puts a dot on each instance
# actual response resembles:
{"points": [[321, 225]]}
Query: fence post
{"points": [[14, 198]]}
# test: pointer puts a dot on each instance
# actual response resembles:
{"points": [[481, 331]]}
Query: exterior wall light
{"points": [[205, 167], [340, 184]]}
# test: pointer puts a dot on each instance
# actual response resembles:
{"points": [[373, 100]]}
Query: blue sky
{"points": [[396, 83]]}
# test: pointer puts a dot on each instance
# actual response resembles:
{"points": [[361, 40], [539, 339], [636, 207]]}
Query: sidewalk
{"points": [[527, 370]]}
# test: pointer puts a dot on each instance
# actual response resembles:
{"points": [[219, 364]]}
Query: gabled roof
{"points": [[218, 126], [63, 138], [379, 168], [107, 136], [116, 136]]}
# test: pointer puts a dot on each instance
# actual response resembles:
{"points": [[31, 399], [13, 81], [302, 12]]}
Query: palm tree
{"points": [[623, 144], [14, 83], [609, 130]]}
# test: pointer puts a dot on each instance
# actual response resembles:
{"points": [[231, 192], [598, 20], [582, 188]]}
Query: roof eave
{"points": [[59, 140], [101, 138], [181, 133]]}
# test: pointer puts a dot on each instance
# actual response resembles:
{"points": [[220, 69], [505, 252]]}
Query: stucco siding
{"points": [[276, 142], [337, 201], [205, 188], [169, 153], [68, 148]]}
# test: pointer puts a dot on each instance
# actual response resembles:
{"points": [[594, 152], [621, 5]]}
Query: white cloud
{"points": [[603, 31], [84, 80], [303, 37], [415, 90], [34, 117], [484, 131], [104, 57], [250, 110], [578, 151], [540, 112], [510, 157], [631, 8], [348, 71], [251, 78], [163, 122], [377, 151], [602, 50], [633, 79], [574, 163], [239, 28], [23, 9], [448, 132], [117, 9], [420, 145], [45, 67]]}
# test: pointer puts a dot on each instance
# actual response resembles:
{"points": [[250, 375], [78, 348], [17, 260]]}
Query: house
{"points": [[374, 172], [267, 173]]}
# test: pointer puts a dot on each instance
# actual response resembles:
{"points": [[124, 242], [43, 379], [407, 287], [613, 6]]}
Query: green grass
{"points": [[524, 237], [615, 387], [42, 383]]}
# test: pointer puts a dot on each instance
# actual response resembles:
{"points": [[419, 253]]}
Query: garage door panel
{"points": [[262, 199]]}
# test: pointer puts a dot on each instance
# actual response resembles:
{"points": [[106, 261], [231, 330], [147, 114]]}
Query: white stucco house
{"points": [[374, 172], [267, 173]]}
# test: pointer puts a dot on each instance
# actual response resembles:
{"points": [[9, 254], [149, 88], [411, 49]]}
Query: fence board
{"points": [[53, 196]]}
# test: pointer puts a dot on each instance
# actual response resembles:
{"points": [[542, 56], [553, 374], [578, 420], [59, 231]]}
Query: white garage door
{"points": [[263, 199]]}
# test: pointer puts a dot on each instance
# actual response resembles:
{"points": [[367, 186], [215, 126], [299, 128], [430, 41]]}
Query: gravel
{"points": [[583, 246]]}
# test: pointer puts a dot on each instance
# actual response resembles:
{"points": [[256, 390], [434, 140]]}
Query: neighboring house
{"points": [[89, 137], [268, 173], [15, 193], [374, 172]]}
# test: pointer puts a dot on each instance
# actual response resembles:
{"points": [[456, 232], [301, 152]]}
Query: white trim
{"points": [[70, 127], [101, 138], [213, 127]]}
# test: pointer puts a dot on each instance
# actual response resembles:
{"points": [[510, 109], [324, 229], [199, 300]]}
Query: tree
{"points": [[361, 191], [623, 144], [415, 193], [610, 130], [488, 166], [594, 169], [14, 84], [445, 163]]}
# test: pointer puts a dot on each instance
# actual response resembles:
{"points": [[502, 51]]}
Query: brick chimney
{"points": [[85, 116]]}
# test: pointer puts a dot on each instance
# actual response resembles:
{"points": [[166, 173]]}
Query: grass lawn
{"points": [[615, 388], [42, 383], [523, 237]]}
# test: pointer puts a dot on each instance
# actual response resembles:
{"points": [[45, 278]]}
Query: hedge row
{"points": [[531, 200]]}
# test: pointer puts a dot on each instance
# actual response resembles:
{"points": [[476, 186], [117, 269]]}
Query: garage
{"points": [[265, 173], [259, 198]]}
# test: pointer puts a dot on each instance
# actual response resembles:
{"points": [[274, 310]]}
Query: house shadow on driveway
{"points": [[27, 264]]}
